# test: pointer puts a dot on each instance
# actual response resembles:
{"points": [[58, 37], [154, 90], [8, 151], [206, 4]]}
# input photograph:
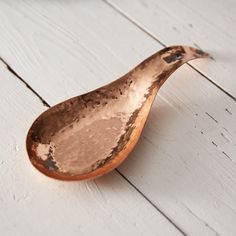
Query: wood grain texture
{"points": [[185, 160], [181, 162], [206, 24], [32, 204]]}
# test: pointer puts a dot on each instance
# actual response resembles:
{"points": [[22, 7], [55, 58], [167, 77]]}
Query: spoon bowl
{"points": [[89, 135]]}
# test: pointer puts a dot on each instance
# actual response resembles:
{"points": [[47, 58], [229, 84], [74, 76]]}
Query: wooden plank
{"points": [[33, 204], [78, 52], [207, 24], [175, 164]]}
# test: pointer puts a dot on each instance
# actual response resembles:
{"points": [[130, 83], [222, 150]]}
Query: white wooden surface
{"points": [[204, 23], [181, 178]]}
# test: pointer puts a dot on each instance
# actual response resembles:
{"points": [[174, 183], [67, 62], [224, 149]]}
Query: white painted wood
{"points": [[181, 163], [33, 204], [207, 24], [65, 48], [78, 52]]}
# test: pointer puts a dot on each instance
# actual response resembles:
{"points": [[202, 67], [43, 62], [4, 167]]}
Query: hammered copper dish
{"points": [[90, 135]]}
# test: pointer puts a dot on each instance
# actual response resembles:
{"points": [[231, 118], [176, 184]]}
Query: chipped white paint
{"points": [[185, 160]]}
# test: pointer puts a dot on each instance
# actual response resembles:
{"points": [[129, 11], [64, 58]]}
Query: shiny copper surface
{"points": [[89, 135]]}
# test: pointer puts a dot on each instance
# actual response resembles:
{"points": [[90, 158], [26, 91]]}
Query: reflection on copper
{"points": [[90, 135]]}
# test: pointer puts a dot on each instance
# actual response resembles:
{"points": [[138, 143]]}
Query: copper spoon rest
{"points": [[89, 135]]}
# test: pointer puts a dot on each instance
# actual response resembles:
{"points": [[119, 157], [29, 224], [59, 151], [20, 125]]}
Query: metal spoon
{"points": [[90, 135]]}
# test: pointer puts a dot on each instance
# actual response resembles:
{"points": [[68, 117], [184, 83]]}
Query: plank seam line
{"points": [[154, 205], [215, 84], [164, 45], [10, 69]]}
